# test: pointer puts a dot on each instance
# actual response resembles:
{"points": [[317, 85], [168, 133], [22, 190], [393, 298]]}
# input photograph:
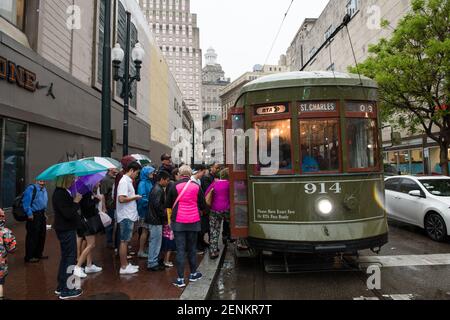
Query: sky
{"points": [[242, 31]]}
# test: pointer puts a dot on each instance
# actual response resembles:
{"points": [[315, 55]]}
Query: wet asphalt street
{"points": [[414, 268]]}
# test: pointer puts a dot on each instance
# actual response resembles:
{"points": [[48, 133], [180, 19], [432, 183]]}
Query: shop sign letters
{"points": [[18, 75]]}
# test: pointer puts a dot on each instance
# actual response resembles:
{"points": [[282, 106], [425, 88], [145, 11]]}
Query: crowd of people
{"points": [[175, 212]]}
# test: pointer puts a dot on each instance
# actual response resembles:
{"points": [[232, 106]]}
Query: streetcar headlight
{"points": [[324, 206]]}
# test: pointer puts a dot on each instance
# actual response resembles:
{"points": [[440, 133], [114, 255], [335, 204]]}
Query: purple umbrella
{"points": [[86, 184]]}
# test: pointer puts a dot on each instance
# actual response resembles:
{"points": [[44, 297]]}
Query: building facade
{"points": [[50, 88], [176, 32], [309, 49]]}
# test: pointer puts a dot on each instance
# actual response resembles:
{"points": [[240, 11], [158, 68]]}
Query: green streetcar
{"points": [[328, 194]]}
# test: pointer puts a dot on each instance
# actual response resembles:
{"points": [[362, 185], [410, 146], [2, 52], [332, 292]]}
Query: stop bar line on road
{"points": [[407, 260]]}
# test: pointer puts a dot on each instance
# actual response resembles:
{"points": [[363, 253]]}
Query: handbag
{"points": [[106, 220], [168, 233]]}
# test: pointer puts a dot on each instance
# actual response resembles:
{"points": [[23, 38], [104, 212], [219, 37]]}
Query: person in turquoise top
{"points": [[144, 188]]}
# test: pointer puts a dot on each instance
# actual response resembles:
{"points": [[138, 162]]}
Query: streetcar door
{"points": [[238, 180]]}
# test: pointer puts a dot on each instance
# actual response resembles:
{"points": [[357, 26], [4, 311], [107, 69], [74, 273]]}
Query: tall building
{"points": [[51, 82], [309, 49], [213, 82], [176, 32]]}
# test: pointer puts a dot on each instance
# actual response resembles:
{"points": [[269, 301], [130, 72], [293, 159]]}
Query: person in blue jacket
{"points": [[35, 200], [144, 188]]}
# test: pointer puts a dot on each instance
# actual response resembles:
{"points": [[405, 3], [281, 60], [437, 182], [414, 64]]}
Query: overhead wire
{"points": [[278, 33]]}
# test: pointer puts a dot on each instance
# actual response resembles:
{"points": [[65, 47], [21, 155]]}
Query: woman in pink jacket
{"points": [[220, 210], [187, 201]]}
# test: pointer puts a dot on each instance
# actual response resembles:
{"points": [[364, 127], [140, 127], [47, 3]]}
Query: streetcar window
{"points": [[362, 143], [319, 143], [274, 129], [240, 191], [237, 122]]}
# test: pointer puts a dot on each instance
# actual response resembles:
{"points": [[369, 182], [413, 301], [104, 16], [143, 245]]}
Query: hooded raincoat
{"points": [[144, 188]]}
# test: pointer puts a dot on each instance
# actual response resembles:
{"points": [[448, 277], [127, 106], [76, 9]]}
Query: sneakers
{"points": [[156, 268], [92, 269], [194, 277], [70, 294], [142, 255], [168, 264], [179, 283], [129, 270], [58, 292], [78, 272]]}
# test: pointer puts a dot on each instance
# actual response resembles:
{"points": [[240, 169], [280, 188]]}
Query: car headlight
{"points": [[324, 207]]}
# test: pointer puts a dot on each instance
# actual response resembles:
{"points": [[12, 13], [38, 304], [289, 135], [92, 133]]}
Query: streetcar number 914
{"points": [[322, 188]]}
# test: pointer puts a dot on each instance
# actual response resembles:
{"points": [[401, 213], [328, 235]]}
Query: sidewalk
{"points": [[38, 281]]}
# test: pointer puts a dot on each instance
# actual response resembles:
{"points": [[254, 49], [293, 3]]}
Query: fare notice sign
{"points": [[317, 107], [271, 110]]}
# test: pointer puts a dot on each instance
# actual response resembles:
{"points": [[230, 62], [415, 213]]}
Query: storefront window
{"points": [[435, 160], [14, 136], [319, 142], [284, 134], [417, 166], [13, 11], [362, 143], [403, 162]]}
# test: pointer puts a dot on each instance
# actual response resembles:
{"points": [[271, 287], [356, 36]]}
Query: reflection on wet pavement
{"points": [[247, 278]]}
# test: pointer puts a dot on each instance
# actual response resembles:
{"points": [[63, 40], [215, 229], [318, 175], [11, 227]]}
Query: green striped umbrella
{"points": [[109, 163]]}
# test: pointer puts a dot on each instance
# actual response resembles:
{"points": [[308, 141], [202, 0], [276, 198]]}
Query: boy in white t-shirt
{"points": [[127, 214]]}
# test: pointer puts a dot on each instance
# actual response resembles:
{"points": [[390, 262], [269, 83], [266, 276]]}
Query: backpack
{"points": [[17, 210]]}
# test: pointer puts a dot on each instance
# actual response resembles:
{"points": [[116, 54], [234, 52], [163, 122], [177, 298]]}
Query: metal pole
{"points": [[106, 84], [126, 83], [193, 143]]}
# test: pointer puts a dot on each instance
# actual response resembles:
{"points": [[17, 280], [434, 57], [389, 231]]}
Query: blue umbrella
{"points": [[76, 168]]}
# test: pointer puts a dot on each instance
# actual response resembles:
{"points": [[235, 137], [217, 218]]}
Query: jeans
{"points": [[154, 245], [36, 233], [186, 241], [110, 229], [126, 230], [68, 242]]}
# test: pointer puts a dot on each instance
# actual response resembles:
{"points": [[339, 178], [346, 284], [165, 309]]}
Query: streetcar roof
{"points": [[307, 78]]}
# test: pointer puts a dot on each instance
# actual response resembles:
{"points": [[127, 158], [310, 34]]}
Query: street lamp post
{"points": [[118, 56], [106, 84]]}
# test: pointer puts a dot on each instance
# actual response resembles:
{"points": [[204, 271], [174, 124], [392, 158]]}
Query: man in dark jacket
{"points": [[156, 218]]}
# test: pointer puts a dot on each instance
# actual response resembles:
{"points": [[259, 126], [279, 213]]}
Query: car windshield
{"points": [[439, 187]]}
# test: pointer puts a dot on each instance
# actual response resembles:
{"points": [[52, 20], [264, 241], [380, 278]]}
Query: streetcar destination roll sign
{"points": [[308, 107], [269, 110]]}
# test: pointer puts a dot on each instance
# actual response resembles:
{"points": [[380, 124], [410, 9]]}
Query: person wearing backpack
{"points": [[34, 202]]}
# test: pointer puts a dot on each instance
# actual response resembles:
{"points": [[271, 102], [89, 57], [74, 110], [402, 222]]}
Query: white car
{"points": [[421, 201]]}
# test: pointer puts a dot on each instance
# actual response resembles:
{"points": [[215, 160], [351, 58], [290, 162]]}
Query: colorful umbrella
{"points": [[109, 163], [142, 159], [86, 184], [77, 168]]}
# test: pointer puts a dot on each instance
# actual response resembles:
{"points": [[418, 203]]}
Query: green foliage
{"points": [[412, 69]]}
